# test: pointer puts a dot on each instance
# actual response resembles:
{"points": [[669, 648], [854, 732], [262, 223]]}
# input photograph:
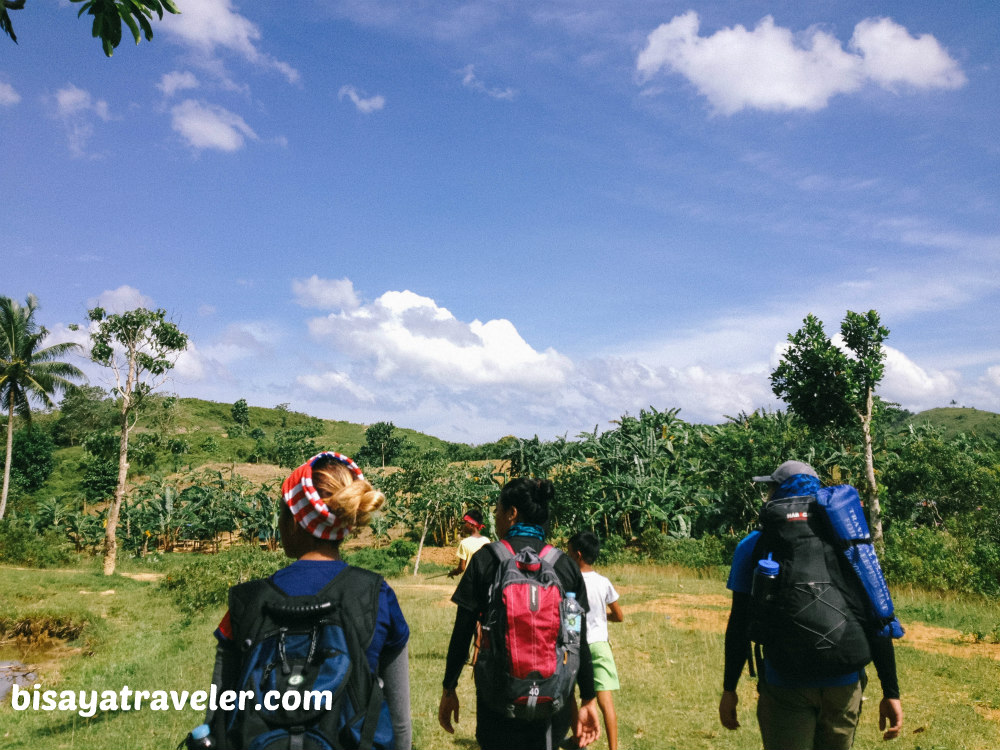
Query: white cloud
{"points": [[120, 300], [407, 334], [205, 125], [893, 57], [249, 339], [332, 383], [363, 104], [915, 387], [176, 81], [771, 68], [8, 96], [209, 25], [471, 81], [77, 109], [325, 294]]}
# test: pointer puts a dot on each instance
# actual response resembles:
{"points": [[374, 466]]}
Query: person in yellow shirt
{"points": [[472, 525]]}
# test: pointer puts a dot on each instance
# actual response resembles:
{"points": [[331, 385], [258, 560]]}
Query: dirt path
{"points": [[711, 612]]}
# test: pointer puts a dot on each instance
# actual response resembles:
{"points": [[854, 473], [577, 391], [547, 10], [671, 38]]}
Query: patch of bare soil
{"points": [[711, 613], [689, 611]]}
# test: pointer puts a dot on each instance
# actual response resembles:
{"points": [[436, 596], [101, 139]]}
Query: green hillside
{"points": [[957, 419]]}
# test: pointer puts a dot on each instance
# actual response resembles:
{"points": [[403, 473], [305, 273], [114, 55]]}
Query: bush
{"points": [[20, 546], [205, 580], [937, 559], [389, 561], [705, 552]]}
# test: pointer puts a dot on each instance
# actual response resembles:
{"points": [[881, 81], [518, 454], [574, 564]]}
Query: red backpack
{"points": [[530, 651]]}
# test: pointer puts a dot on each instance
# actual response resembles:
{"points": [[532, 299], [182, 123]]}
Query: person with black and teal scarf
{"points": [[521, 515], [793, 713]]}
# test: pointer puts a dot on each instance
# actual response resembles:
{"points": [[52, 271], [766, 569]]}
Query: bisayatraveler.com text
{"points": [[87, 703]]}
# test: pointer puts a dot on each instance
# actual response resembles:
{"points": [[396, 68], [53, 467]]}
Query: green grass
{"points": [[669, 655]]}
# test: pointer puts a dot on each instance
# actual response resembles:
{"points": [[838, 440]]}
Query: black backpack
{"points": [[814, 622], [309, 650]]}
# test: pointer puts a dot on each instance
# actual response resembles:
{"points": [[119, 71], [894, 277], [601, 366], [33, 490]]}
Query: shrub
{"points": [[21, 546], [389, 561], [937, 559], [704, 552], [205, 580]]}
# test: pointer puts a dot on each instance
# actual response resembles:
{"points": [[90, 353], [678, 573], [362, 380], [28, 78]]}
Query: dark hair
{"points": [[531, 497], [475, 515], [587, 544]]}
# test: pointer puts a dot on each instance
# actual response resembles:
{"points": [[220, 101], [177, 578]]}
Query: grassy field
{"points": [[126, 631]]}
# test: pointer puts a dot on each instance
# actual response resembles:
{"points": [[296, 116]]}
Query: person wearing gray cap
{"points": [[798, 709]]}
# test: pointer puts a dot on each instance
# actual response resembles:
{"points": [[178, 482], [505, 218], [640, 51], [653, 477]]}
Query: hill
{"points": [[957, 419]]}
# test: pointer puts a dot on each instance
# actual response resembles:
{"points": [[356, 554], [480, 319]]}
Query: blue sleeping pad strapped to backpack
{"points": [[843, 509]]}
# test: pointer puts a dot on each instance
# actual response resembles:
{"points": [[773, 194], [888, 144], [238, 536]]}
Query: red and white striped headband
{"points": [[308, 508]]}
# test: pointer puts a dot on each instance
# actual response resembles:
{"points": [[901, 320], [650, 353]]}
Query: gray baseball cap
{"points": [[786, 470]]}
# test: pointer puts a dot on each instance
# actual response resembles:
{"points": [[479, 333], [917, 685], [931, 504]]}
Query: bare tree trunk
{"points": [[110, 533], [420, 547], [871, 494], [6, 463], [110, 539]]}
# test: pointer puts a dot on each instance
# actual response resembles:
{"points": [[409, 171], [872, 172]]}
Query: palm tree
{"points": [[27, 371]]}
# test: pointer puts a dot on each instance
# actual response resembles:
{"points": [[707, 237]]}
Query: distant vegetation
{"points": [[204, 475]]}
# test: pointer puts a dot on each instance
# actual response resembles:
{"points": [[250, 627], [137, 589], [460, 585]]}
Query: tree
{"points": [[27, 371], [139, 347], [83, 411], [108, 18], [241, 416], [380, 444], [826, 387]]}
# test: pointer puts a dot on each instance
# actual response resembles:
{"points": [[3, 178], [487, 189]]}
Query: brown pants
{"points": [[809, 718]]}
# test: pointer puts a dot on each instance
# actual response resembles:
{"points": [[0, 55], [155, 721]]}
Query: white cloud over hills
{"points": [[406, 358]]}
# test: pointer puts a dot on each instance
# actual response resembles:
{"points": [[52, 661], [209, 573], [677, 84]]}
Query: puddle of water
{"points": [[15, 673]]}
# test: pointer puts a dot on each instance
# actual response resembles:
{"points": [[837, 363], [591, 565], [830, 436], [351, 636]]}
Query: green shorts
{"points": [[605, 672]]}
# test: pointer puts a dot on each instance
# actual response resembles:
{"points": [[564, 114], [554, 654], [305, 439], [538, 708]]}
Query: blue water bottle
{"points": [[765, 580], [200, 738]]}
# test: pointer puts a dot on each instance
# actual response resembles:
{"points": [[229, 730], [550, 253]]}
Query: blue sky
{"points": [[486, 218]]}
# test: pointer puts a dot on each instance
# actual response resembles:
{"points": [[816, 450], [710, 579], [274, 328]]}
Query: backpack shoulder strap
{"points": [[550, 553], [246, 606], [502, 549]]}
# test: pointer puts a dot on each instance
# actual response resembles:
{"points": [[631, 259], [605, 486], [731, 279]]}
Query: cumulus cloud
{"points": [[8, 96], [405, 333], [122, 299], [205, 125], [209, 26], [913, 386], [78, 111], [771, 68], [325, 294], [171, 83], [471, 81], [364, 104]]}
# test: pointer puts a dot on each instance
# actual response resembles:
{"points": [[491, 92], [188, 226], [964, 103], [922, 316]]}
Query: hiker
{"points": [[521, 515], [472, 541], [323, 500], [803, 704], [584, 546]]}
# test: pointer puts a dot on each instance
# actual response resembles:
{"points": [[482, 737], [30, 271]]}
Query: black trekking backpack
{"points": [[814, 620], [530, 652], [303, 658]]}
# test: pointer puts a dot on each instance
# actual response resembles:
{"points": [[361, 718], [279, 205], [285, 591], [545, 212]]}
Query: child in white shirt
{"points": [[584, 547]]}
